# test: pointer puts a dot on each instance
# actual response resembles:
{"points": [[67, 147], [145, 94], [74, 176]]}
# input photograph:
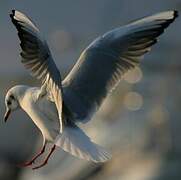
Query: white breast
{"points": [[43, 113]]}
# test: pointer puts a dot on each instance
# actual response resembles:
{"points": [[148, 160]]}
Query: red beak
{"points": [[8, 112]]}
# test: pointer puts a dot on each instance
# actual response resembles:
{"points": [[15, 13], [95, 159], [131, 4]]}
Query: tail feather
{"points": [[77, 143]]}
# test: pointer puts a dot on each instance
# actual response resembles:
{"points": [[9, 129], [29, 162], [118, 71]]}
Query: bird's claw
{"points": [[26, 164]]}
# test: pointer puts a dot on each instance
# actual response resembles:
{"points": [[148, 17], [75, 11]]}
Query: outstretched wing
{"points": [[102, 64], [37, 58]]}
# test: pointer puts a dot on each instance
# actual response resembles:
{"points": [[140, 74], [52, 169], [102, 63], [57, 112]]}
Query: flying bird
{"points": [[58, 105]]}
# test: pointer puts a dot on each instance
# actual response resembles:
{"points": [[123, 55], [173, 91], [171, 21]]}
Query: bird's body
{"points": [[42, 112], [58, 105]]}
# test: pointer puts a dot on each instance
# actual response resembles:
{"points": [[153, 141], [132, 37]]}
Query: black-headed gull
{"points": [[58, 105]]}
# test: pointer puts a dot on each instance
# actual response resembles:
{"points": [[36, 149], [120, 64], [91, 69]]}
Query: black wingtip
{"points": [[176, 14], [13, 11], [12, 14], [169, 21]]}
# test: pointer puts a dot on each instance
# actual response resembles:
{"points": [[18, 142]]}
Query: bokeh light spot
{"points": [[133, 101], [61, 40], [133, 76]]}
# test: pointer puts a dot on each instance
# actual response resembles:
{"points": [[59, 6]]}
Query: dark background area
{"points": [[139, 122]]}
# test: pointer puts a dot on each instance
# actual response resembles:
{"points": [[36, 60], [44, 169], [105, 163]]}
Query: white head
{"points": [[12, 99]]}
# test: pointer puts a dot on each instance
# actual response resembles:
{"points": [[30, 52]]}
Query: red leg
{"points": [[29, 163], [47, 158]]}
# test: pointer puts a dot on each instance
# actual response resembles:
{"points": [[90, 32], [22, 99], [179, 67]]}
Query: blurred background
{"points": [[139, 122]]}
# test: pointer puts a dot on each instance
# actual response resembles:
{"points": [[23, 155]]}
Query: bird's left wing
{"points": [[103, 63], [37, 58]]}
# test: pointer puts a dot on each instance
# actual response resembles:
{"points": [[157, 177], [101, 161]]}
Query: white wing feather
{"points": [[77, 143]]}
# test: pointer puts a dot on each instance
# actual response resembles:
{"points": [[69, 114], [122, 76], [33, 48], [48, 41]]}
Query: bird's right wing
{"points": [[37, 58], [101, 65]]}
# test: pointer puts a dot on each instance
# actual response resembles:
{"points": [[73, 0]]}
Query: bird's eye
{"points": [[12, 97], [9, 103]]}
